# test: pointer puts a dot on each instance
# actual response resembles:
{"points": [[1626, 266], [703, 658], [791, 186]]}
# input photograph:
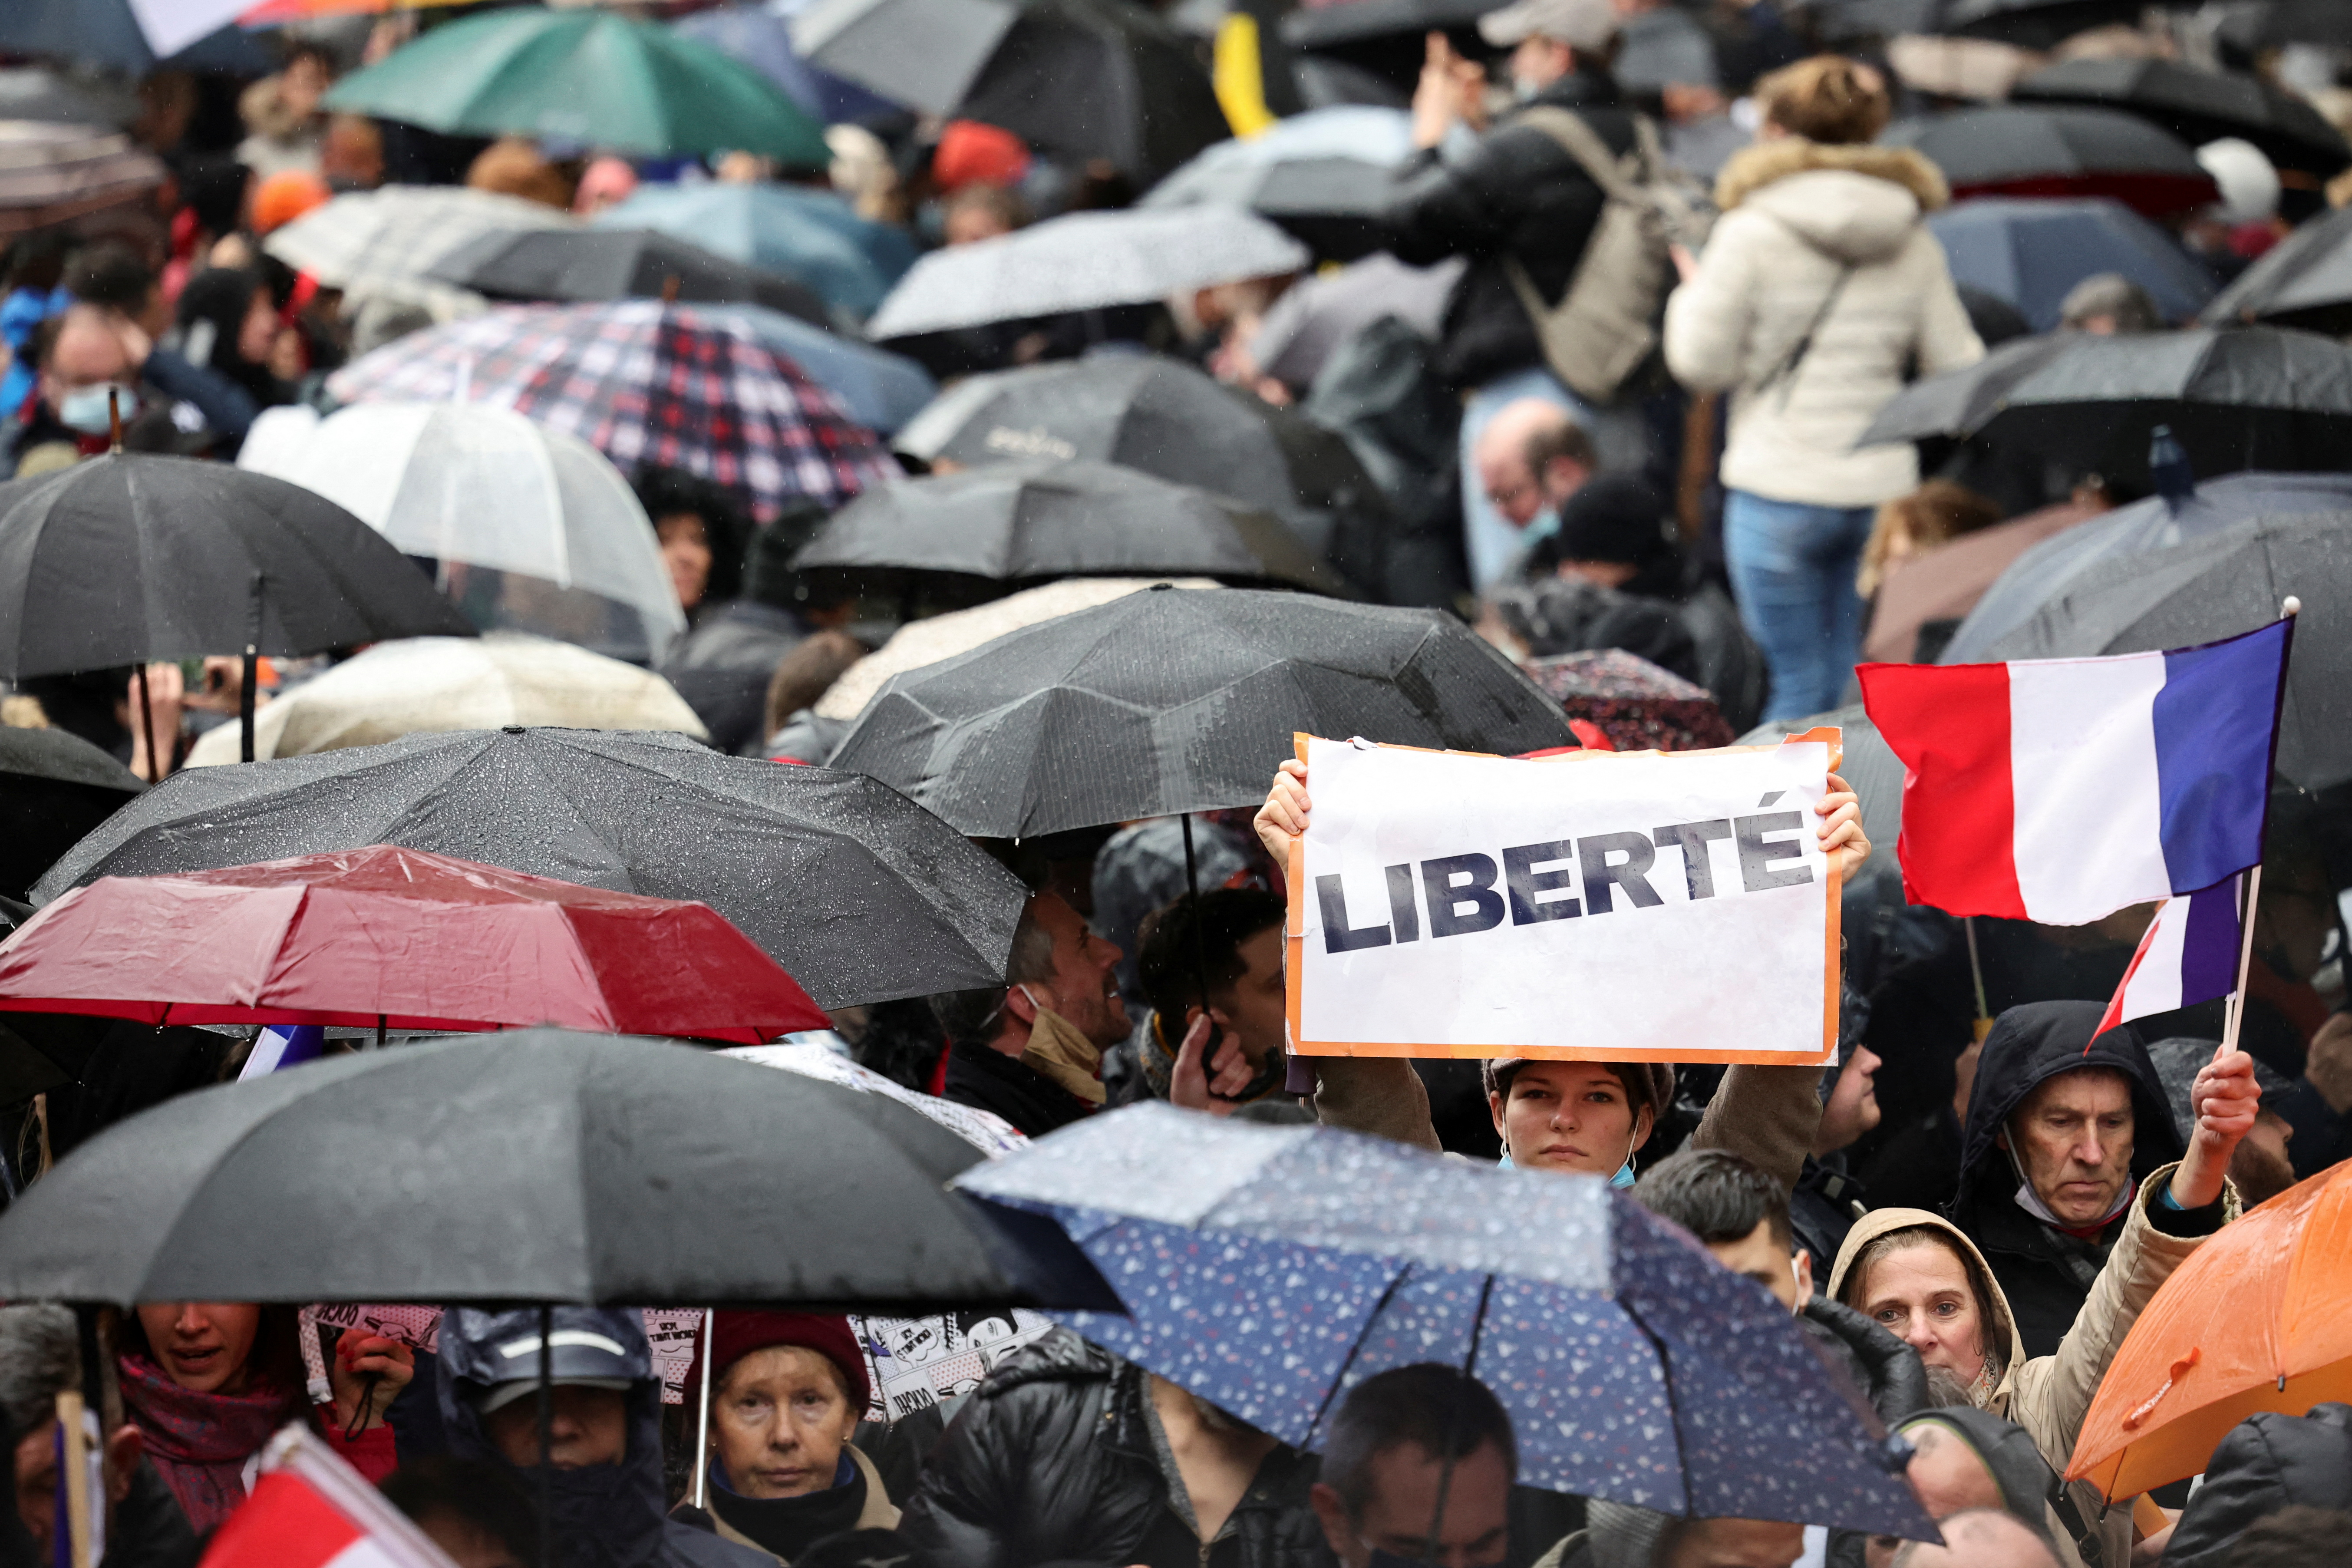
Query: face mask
{"points": [[1059, 1051], [1524, 90], [86, 409]]}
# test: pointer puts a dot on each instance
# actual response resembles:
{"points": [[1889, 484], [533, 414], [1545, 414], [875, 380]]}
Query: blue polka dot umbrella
{"points": [[1270, 1269]]}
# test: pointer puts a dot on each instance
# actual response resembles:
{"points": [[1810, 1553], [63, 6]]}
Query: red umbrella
{"points": [[396, 937]]}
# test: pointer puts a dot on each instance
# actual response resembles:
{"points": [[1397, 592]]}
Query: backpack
{"points": [[1605, 328]]}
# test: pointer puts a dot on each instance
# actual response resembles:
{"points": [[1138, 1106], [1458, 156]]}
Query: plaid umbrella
{"points": [[647, 384], [386, 242], [1638, 706]]}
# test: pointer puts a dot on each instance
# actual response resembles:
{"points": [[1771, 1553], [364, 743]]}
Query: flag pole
{"points": [[702, 1420], [2233, 1015], [1976, 971]]}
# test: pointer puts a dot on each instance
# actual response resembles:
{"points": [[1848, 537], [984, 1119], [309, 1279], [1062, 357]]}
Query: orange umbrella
{"points": [[2256, 1320]]}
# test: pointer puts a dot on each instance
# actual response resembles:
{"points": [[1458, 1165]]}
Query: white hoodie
{"points": [[1796, 215]]}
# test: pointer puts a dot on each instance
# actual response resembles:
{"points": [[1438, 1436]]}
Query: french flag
{"points": [[2190, 954], [307, 1509], [2062, 790]]}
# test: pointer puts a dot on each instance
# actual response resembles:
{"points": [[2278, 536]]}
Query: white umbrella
{"points": [[426, 685], [384, 243], [472, 483], [1082, 261]]}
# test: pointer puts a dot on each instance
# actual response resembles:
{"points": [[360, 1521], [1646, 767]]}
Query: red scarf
{"points": [[200, 1442]]}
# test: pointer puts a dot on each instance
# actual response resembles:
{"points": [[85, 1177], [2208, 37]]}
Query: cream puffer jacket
{"points": [[1797, 215]]}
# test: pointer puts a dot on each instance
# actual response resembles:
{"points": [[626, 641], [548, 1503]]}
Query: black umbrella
{"points": [[54, 788], [1099, 78], [2199, 106], [1386, 36], [2056, 149], [2032, 24], [2304, 280], [30, 92], [2248, 397], [1164, 418], [1038, 519], [123, 560], [2216, 588], [1165, 702], [1959, 402], [861, 896], [540, 1166], [592, 264]]}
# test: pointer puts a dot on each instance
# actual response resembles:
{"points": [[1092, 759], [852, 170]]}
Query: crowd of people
{"points": [[1646, 273]]}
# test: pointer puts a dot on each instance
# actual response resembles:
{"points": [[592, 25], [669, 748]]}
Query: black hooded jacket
{"points": [[1516, 194], [2268, 1462], [2045, 1272], [605, 1516], [1052, 1461]]}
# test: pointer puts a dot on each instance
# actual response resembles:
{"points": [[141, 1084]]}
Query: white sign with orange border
{"points": [[1648, 906]]}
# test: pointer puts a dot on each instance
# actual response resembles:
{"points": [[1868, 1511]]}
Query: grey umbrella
{"points": [[50, 172], [2050, 568], [2199, 106], [1959, 402], [2304, 280], [860, 895], [2060, 149], [536, 1166], [2207, 589], [30, 92], [868, 42], [1306, 327], [1164, 702], [1083, 261], [1166, 419], [1038, 519]]}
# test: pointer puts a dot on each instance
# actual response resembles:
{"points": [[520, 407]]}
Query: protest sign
{"points": [[1651, 906]]}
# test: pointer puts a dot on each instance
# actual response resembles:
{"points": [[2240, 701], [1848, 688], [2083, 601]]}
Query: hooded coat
{"points": [[1834, 234], [2268, 1462], [2049, 1396], [605, 1516], [1055, 1459], [2046, 1272]]}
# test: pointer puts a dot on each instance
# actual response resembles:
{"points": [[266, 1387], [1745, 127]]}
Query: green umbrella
{"points": [[583, 76]]}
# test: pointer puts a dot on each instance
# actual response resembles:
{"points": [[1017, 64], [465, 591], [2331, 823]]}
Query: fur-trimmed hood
{"points": [[1859, 204]]}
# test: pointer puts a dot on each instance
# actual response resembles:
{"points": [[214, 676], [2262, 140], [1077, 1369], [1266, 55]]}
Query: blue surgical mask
{"points": [[88, 410]]}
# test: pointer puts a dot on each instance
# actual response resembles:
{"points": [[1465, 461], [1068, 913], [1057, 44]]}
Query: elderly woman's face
{"points": [[1568, 1116], [779, 1420]]}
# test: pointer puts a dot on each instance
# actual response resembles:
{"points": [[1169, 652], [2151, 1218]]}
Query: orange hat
{"points": [[285, 196], [972, 153]]}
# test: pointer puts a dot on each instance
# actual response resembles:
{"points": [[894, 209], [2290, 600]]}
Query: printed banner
{"points": [[1659, 906]]}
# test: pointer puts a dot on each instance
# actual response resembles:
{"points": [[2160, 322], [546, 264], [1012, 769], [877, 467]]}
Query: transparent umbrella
{"points": [[471, 485]]}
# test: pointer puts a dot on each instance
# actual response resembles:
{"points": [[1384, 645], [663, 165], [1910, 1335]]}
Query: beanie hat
{"points": [[285, 196], [734, 1335], [1611, 517], [972, 153]]}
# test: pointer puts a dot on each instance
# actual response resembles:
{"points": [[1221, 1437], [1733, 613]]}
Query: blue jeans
{"points": [[1793, 568]]}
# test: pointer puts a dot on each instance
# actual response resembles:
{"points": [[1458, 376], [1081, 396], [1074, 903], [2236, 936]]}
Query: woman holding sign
{"points": [[1591, 1117]]}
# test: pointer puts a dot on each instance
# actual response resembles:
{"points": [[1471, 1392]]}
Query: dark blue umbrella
{"points": [[107, 33], [2031, 250], [763, 40], [1271, 1269], [2051, 568]]}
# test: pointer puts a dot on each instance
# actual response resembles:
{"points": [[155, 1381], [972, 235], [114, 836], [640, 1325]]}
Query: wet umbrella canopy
{"points": [[858, 894], [1269, 1269], [617, 264], [1637, 705], [2053, 150], [395, 938], [2199, 106], [1156, 415], [2304, 280], [812, 236], [125, 559], [54, 788], [2050, 568], [1041, 518], [1082, 261], [2033, 250], [1959, 402], [1324, 176], [535, 1166], [1167, 701]]}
